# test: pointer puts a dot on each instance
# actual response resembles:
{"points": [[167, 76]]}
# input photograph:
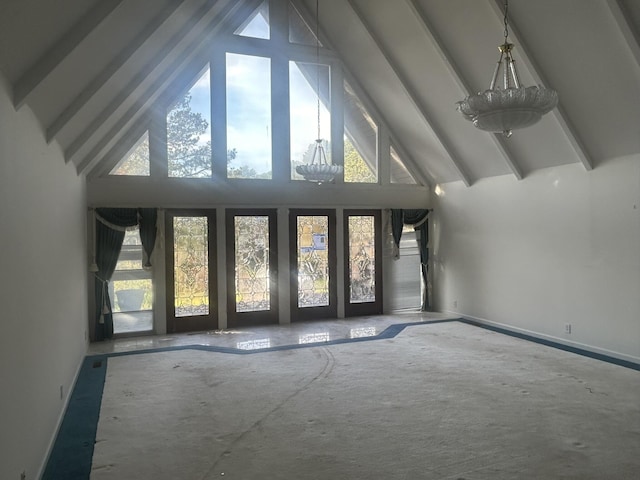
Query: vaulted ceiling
{"points": [[89, 69]]}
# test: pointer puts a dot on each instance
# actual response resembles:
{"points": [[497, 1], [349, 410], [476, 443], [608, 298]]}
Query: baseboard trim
{"points": [[601, 354]]}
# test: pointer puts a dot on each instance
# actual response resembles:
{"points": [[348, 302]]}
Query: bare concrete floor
{"points": [[438, 401]]}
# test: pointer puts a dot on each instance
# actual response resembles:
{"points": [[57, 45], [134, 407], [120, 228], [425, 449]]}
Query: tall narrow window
{"points": [[136, 160], [307, 81], [248, 116], [189, 132]]}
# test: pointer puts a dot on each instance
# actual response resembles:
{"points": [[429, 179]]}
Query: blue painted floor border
{"points": [[550, 343], [72, 452]]}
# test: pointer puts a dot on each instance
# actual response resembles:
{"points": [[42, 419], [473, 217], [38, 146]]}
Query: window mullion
{"points": [[337, 117], [279, 22], [280, 119], [218, 113], [158, 164]]}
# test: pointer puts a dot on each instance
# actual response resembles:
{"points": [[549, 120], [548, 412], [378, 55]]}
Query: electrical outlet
{"points": [[567, 328], [455, 304], [61, 392]]}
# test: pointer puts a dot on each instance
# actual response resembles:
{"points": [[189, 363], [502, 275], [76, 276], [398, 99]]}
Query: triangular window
{"points": [[257, 24], [360, 141], [399, 172], [300, 31], [136, 161]]}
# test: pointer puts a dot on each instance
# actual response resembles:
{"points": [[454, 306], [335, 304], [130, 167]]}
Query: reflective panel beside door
{"points": [[363, 271], [313, 264], [191, 271], [251, 267]]}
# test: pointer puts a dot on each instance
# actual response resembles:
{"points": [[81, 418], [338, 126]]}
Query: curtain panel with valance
{"points": [[110, 227], [418, 218]]}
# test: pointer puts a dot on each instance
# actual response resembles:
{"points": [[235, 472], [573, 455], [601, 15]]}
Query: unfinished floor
{"points": [[432, 398]]}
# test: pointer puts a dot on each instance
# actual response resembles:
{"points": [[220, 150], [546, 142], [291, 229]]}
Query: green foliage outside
{"points": [[356, 169], [187, 157], [137, 163]]}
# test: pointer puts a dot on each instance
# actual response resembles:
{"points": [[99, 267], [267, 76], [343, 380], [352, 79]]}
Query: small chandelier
{"points": [[513, 106], [319, 170]]}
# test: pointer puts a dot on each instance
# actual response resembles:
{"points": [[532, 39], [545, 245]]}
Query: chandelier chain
{"points": [[506, 24], [318, 62]]}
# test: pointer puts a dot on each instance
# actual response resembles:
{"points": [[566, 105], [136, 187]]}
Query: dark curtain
{"points": [[396, 225], [108, 246], [417, 218], [147, 223], [120, 217]]}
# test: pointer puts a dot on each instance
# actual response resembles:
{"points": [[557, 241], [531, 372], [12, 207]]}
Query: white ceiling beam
{"points": [[538, 75], [622, 19], [461, 81], [205, 18], [413, 96], [43, 67], [81, 99], [180, 67], [364, 96]]}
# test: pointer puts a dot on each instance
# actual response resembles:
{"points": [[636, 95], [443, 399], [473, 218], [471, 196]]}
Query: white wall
{"points": [[561, 246], [43, 293]]}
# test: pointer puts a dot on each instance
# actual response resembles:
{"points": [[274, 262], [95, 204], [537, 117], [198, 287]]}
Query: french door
{"points": [[191, 270], [313, 264], [252, 274], [363, 266]]}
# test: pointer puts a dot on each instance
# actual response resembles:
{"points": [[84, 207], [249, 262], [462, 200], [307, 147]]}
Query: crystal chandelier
{"points": [[512, 106], [319, 170]]}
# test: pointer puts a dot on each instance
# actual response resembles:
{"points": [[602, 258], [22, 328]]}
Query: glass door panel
{"points": [[191, 266], [313, 263], [251, 267], [251, 242], [363, 281]]}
